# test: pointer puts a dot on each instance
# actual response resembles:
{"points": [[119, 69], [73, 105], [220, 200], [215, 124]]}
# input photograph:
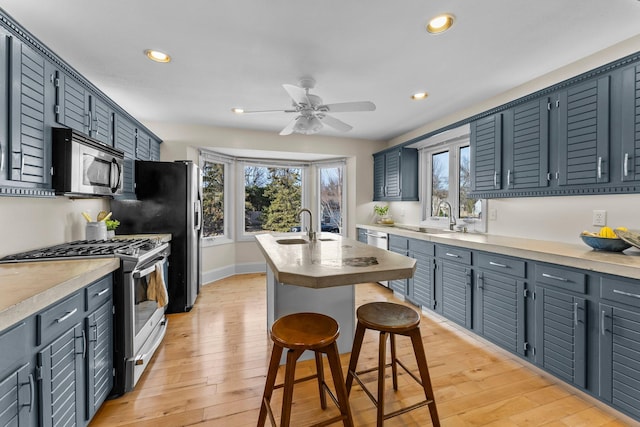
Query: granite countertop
{"points": [[626, 264], [28, 287], [331, 260]]}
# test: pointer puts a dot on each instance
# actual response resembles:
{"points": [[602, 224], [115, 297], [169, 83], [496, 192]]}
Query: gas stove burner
{"points": [[87, 249]]}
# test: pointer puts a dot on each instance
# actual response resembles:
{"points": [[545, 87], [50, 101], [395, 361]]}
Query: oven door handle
{"points": [[146, 271]]}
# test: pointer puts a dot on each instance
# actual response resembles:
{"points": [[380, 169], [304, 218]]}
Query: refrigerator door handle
{"points": [[198, 214]]}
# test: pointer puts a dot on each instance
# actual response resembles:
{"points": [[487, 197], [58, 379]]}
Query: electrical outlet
{"points": [[600, 218]]}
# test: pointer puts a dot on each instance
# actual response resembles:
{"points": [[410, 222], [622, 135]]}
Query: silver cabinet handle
{"points": [[508, 177], [625, 167], [495, 264], [32, 392], [102, 292], [602, 322], [452, 255], [1, 157], [84, 345], [599, 167], [66, 316], [628, 294], [495, 179], [374, 235], [549, 276], [575, 313]]}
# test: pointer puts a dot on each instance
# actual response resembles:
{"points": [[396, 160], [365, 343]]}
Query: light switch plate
{"points": [[600, 217]]}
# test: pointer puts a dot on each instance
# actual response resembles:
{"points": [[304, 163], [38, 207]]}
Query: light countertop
{"points": [[625, 264], [331, 260], [28, 287]]}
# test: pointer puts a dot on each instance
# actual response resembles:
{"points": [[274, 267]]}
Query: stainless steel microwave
{"points": [[85, 167]]}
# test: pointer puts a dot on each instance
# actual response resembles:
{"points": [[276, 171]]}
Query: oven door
{"points": [[148, 323]]}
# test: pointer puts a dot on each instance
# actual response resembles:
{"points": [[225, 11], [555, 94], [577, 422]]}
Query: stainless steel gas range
{"points": [[139, 323]]}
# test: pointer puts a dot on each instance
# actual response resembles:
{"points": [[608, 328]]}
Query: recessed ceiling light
{"points": [[419, 95], [440, 23], [157, 56], [238, 110]]}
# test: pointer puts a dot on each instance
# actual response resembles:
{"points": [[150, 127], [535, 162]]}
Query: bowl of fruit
{"points": [[605, 240]]}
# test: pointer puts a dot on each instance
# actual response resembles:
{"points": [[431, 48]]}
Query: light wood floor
{"points": [[210, 371]]}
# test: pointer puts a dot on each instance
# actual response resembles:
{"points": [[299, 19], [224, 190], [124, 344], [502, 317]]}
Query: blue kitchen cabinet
{"points": [[420, 287], [17, 383], [125, 140], [155, 150], [500, 300], [629, 158], [399, 245], [362, 234], [143, 145], [453, 284], [561, 322], [102, 120], [72, 103], [395, 175], [619, 344], [486, 153]]}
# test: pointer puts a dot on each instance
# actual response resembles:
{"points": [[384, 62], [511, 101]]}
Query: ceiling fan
{"points": [[312, 114]]}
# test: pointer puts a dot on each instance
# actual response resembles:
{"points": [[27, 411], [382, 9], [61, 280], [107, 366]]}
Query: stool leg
{"points": [[382, 361], [338, 382], [320, 373], [418, 349], [289, 379], [276, 353], [394, 365], [355, 353]]}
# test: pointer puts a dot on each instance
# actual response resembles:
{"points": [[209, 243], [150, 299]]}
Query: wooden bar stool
{"points": [[391, 319], [299, 332]]}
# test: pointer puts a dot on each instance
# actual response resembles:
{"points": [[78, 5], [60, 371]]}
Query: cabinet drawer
{"points": [[13, 345], [450, 253], [97, 293], [59, 317], [398, 242], [571, 280], [501, 264], [422, 246], [626, 292]]}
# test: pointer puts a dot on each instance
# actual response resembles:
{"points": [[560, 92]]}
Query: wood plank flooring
{"points": [[210, 371]]}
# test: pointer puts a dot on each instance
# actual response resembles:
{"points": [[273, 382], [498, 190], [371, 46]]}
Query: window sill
{"points": [[215, 241]]}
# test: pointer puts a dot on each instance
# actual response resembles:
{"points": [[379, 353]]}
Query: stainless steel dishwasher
{"points": [[379, 240]]}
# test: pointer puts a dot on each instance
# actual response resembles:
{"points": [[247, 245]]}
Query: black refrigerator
{"points": [[169, 201]]}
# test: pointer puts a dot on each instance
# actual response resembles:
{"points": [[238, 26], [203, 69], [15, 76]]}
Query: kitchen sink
{"points": [[292, 241]]}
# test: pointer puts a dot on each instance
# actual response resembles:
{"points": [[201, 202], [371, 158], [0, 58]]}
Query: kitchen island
{"points": [[318, 276]]}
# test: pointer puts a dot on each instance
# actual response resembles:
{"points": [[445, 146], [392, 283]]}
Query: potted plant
{"points": [[111, 224], [383, 213]]}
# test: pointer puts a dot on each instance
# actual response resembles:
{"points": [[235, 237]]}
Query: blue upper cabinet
{"points": [[629, 158], [102, 118], [125, 140], [395, 175], [72, 103], [486, 153]]}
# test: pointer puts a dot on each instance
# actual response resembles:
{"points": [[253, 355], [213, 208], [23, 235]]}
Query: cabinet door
{"points": [[155, 150], [453, 285], [362, 235], [631, 124], [620, 358], [99, 357], [5, 41], [561, 334], [527, 145], [422, 283], [101, 121], [392, 174], [72, 107], [143, 145], [378, 177], [125, 140], [62, 379], [16, 391], [583, 133], [30, 157], [486, 153], [399, 245], [500, 303]]}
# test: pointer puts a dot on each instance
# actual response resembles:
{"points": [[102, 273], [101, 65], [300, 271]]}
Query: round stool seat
{"points": [[388, 317], [305, 331]]}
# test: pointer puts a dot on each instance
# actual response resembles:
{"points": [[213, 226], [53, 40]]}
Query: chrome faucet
{"points": [[310, 232], [452, 219]]}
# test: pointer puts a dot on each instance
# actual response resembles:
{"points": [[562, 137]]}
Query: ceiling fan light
{"points": [[419, 95], [157, 56], [439, 24]]}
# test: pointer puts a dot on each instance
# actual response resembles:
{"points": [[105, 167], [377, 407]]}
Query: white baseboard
{"points": [[232, 270]]}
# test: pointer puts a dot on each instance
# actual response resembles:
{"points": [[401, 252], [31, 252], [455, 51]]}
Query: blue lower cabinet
{"points": [[399, 245], [99, 331], [16, 391]]}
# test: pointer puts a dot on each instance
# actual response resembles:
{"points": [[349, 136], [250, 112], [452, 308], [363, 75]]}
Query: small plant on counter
{"points": [[381, 211], [112, 224]]}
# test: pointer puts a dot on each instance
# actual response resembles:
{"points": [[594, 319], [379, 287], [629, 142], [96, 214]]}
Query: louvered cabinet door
{"points": [[72, 103], [16, 391], [561, 334], [486, 153], [99, 357], [583, 133], [393, 183], [630, 156], [422, 283], [101, 121], [454, 300], [500, 303], [378, 177], [125, 140], [62, 379]]}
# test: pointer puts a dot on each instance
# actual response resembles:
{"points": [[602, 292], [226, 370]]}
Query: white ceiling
{"points": [[229, 53]]}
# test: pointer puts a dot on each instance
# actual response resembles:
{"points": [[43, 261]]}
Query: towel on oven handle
{"points": [[156, 289]]}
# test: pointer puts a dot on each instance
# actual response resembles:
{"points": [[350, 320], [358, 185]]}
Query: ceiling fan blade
{"points": [[298, 94], [268, 111], [335, 123], [288, 129], [343, 107]]}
